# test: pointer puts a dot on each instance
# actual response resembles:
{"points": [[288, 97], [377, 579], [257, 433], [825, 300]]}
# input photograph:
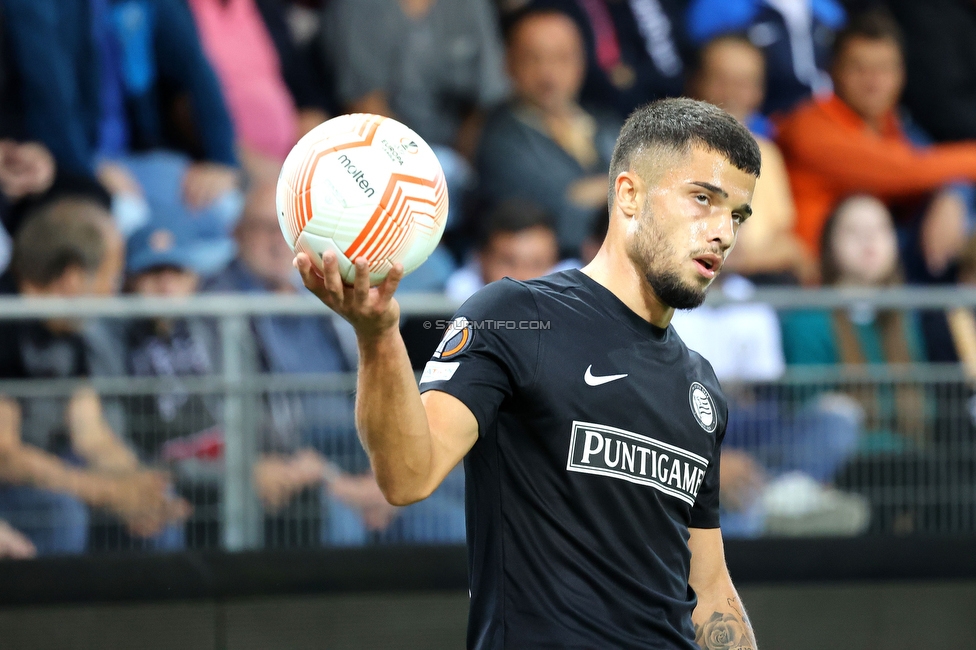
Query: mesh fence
{"points": [[236, 455], [851, 451]]}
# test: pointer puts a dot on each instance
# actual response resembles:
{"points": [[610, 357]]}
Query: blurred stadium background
{"points": [[178, 462]]}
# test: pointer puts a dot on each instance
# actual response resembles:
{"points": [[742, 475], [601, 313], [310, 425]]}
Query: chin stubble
{"points": [[670, 290]]}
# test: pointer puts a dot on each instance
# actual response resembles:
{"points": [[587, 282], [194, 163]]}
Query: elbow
{"points": [[401, 493], [401, 499]]}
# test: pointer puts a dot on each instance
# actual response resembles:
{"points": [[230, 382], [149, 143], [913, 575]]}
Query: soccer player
{"points": [[590, 433]]}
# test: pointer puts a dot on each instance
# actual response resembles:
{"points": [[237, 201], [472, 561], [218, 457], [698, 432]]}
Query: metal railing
{"points": [[938, 499]]}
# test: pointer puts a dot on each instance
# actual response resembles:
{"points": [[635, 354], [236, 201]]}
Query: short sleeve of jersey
{"points": [[489, 349], [705, 512]]}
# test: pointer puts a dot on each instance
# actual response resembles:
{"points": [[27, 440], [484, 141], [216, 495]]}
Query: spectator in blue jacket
{"points": [[93, 75], [795, 35]]}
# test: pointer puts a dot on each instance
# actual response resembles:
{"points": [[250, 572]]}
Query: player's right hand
{"points": [[370, 310]]}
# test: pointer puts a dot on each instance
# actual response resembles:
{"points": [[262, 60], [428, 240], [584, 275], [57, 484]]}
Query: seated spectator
{"points": [[860, 249], [93, 77], [164, 425], [355, 509], [914, 432], [60, 456], [543, 146], [731, 74], [730, 71], [940, 59], [517, 241], [635, 51], [251, 67], [853, 142], [795, 36]]}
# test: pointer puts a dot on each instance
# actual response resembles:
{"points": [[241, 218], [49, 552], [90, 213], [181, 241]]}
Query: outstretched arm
{"points": [[413, 441], [720, 619]]}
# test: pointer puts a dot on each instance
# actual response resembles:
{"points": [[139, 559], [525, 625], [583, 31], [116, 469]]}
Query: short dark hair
{"points": [[512, 216], [66, 233], [874, 25], [677, 124]]}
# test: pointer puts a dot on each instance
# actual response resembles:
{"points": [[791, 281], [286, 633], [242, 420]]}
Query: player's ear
{"points": [[627, 189]]}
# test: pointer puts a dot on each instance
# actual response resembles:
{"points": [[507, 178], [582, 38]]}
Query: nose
{"points": [[722, 229]]}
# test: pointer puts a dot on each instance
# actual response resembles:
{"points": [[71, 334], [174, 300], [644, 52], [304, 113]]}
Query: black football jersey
{"points": [[598, 449]]}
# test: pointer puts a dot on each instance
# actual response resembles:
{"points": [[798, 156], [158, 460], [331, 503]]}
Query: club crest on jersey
{"points": [[702, 407], [456, 339]]}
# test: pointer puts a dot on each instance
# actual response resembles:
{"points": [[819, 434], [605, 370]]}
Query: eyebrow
{"points": [[711, 188], [715, 189]]}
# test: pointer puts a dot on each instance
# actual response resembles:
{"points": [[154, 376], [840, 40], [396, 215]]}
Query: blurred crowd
{"points": [[140, 141]]}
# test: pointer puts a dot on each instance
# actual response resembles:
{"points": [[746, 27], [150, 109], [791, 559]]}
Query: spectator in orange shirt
{"points": [[853, 142]]}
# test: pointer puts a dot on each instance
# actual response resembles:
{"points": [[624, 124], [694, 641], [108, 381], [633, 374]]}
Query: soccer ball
{"points": [[363, 186]]}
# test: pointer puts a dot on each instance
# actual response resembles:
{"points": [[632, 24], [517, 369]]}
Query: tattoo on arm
{"points": [[724, 631]]}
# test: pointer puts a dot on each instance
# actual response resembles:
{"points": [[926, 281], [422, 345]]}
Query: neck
{"points": [[874, 123], [613, 269], [560, 111]]}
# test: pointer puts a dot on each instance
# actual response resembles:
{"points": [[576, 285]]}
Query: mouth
{"points": [[708, 265]]}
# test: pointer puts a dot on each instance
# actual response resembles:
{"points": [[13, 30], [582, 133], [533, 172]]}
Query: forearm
{"points": [[93, 439], [391, 419], [721, 621], [112, 456], [27, 465]]}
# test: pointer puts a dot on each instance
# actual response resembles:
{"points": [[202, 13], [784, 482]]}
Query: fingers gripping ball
{"points": [[363, 186]]}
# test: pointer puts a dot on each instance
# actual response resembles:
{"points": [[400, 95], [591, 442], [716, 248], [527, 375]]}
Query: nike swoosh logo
{"points": [[597, 381]]}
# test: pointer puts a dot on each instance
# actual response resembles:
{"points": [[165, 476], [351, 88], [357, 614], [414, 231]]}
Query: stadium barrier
{"points": [[895, 444]]}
